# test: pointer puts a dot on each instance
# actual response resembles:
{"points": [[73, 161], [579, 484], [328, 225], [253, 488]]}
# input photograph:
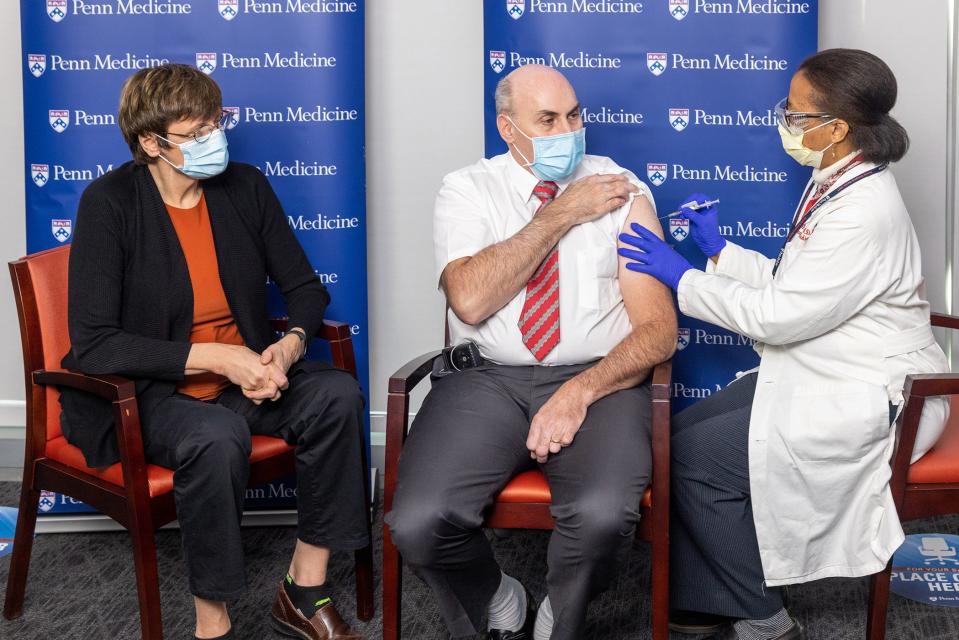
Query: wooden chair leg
{"points": [[878, 602], [22, 547], [659, 609], [392, 587], [363, 561], [148, 583]]}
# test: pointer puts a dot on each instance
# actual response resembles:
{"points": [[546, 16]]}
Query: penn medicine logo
{"points": [[679, 9], [228, 9], [682, 339], [36, 64], [497, 61], [678, 228], [679, 119], [657, 173], [57, 10], [206, 62], [48, 500], [59, 119], [40, 174], [657, 63], [234, 117], [61, 229], [515, 8]]}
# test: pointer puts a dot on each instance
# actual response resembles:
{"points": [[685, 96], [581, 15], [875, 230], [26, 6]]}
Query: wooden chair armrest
{"points": [[945, 320], [662, 381], [411, 373], [927, 385], [331, 329], [109, 387]]}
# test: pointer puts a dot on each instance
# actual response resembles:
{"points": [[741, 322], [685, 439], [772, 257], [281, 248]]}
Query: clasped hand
{"points": [[261, 376]]}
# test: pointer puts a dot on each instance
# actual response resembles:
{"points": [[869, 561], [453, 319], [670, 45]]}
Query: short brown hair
{"points": [[154, 98]]}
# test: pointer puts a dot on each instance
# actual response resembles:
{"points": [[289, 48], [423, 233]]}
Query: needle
{"points": [[695, 206]]}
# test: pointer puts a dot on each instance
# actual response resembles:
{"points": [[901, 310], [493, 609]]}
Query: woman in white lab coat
{"points": [[783, 477]]}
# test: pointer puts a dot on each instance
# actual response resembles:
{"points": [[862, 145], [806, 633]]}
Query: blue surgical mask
{"points": [[555, 157], [202, 159]]}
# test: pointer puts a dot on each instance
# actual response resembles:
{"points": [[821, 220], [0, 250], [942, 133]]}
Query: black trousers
{"points": [[207, 444], [468, 440], [714, 555]]}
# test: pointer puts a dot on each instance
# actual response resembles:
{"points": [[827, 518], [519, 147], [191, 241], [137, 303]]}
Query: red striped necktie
{"points": [[539, 320]]}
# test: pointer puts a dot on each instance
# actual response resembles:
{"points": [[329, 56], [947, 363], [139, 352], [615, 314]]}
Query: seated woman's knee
{"points": [[222, 437]]}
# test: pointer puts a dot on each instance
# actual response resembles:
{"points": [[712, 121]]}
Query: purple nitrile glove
{"points": [[655, 257], [705, 224]]}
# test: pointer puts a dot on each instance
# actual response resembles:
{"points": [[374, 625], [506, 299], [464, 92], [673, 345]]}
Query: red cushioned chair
{"points": [[524, 502], [137, 495], [930, 487]]}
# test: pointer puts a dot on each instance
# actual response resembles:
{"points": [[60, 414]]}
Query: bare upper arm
{"points": [[647, 299]]}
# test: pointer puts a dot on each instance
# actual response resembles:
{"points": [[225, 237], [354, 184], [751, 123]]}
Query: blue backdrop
{"points": [[680, 92], [292, 71]]}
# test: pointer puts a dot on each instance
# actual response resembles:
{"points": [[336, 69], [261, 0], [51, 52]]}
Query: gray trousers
{"points": [[714, 555], [468, 440]]}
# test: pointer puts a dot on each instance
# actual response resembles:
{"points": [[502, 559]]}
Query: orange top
{"points": [[212, 318]]}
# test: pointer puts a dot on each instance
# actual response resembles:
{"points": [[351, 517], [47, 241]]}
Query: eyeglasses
{"points": [[795, 122], [203, 134]]}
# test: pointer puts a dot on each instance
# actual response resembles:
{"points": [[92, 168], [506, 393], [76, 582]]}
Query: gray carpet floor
{"points": [[82, 586]]}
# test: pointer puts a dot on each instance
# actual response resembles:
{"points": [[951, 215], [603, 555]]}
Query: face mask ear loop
{"points": [[162, 157], [522, 155]]}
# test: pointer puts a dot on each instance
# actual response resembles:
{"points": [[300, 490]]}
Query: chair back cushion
{"points": [[941, 463], [44, 320]]}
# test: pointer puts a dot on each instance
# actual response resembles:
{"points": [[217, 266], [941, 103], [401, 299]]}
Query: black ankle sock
{"points": [[307, 599]]}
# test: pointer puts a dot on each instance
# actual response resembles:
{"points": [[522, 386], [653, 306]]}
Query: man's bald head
{"points": [[525, 83]]}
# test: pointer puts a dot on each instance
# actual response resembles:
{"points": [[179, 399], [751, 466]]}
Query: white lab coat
{"points": [[838, 329]]}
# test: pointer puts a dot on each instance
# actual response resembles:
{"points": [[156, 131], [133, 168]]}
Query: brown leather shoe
{"points": [[326, 623]]}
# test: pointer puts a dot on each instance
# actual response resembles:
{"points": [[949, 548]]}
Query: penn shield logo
{"points": [[57, 10], [206, 62], [40, 174], [497, 61], [679, 119], [234, 119], [59, 119], [679, 228], [682, 339], [656, 63], [228, 9], [515, 8], [678, 9], [656, 173], [36, 64], [61, 229], [48, 500]]}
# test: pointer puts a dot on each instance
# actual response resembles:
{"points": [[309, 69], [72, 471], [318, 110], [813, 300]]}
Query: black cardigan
{"points": [[130, 309]]}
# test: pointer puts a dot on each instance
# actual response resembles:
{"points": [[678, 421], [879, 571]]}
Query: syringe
{"points": [[695, 206]]}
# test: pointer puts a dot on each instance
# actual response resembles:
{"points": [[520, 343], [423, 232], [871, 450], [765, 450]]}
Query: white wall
{"points": [[13, 238], [424, 114], [913, 44], [425, 118]]}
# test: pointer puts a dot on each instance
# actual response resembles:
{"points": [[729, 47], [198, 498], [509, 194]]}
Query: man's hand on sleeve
{"points": [[592, 197], [556, 423]]}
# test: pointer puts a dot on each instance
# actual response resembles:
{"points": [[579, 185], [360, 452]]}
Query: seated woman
{"points": [[168, 272]]}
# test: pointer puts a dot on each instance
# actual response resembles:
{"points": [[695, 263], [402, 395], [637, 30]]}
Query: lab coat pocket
{"points": [[837, 422], [596, 276]]}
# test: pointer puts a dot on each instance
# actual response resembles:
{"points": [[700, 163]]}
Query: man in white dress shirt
{"points": [[526, 254]]}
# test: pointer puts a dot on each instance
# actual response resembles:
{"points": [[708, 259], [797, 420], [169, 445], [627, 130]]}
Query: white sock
{"points": [[507, 608], [771, 627], [544, 621]]}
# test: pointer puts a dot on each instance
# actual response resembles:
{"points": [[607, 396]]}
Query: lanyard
{"points": [[798, 224]]}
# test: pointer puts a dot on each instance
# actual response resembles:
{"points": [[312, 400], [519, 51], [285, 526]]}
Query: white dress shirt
{"points": [[490, 201]]}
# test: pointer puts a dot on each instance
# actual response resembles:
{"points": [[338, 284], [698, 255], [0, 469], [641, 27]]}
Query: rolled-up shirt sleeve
{"points": [[460, 226]]}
